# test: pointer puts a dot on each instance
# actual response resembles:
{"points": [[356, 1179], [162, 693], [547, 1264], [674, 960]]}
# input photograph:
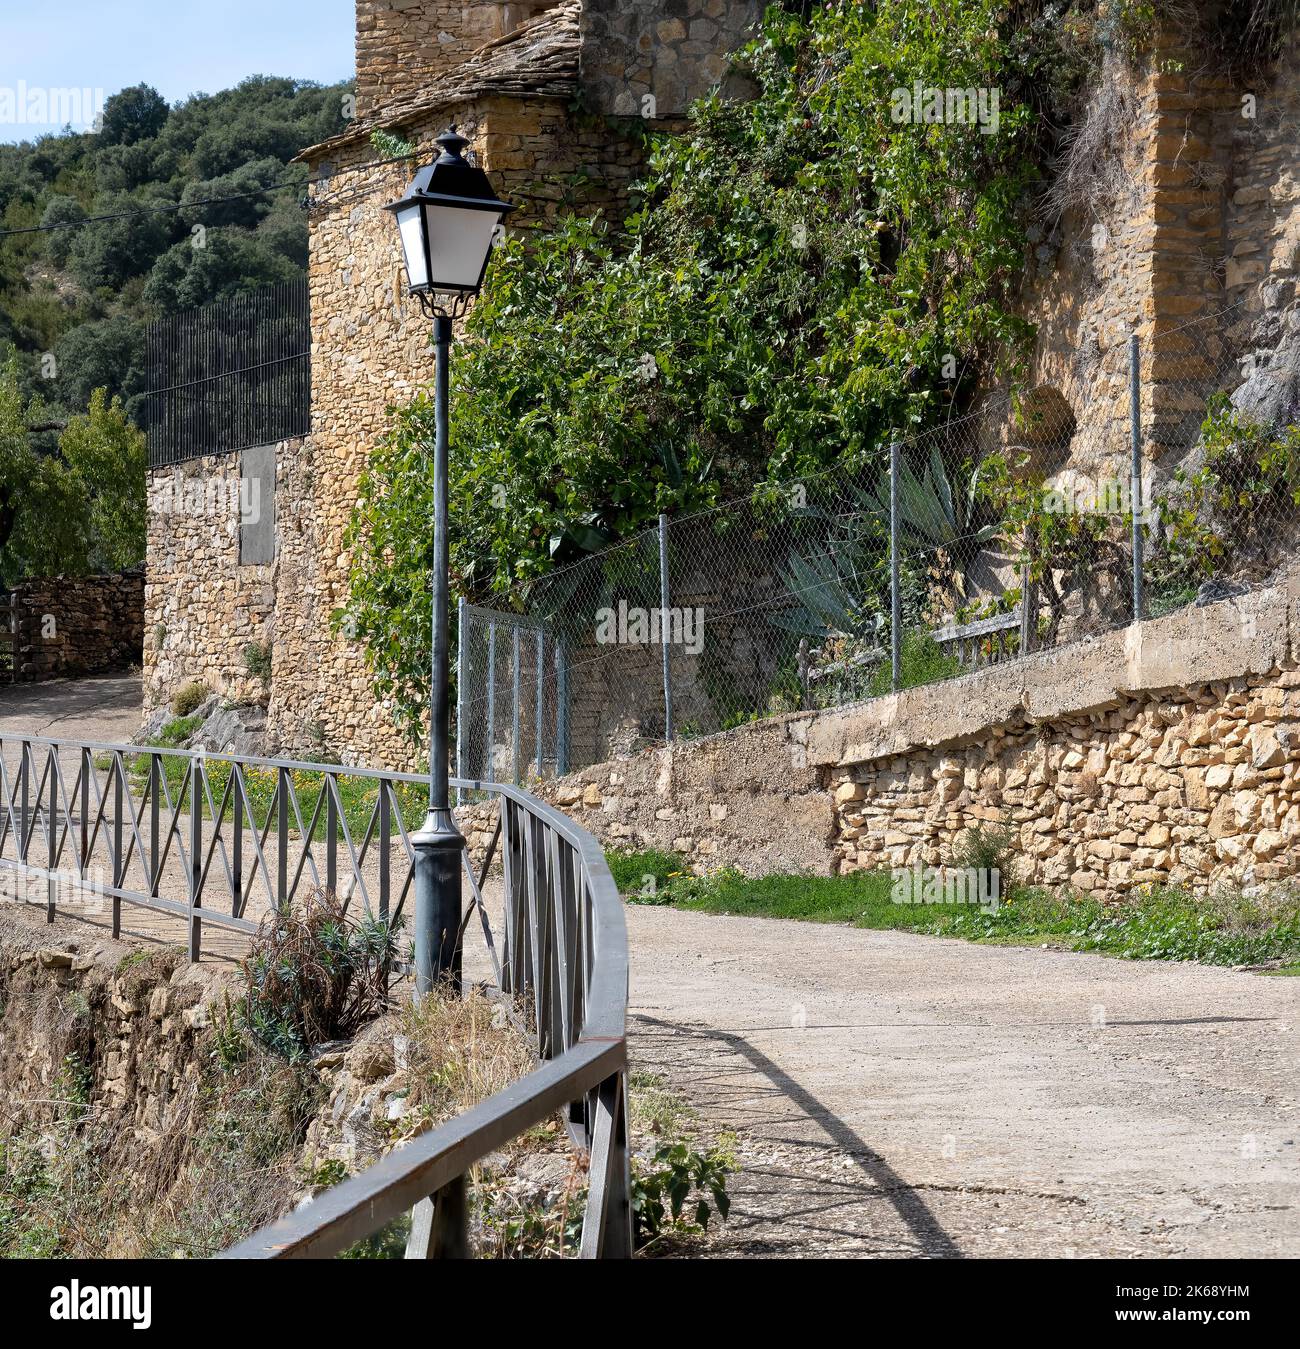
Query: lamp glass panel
{"points": [[459, 243], [408, 224]]}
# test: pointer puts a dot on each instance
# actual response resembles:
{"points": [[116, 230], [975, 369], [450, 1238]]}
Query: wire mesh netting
{"points": [[1034, 521]]}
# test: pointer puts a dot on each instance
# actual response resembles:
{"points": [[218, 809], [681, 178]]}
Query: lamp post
{"points": [[447, 221]]}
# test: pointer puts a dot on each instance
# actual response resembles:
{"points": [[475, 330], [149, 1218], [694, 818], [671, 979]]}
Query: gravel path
{"points": [[900, 1095]]}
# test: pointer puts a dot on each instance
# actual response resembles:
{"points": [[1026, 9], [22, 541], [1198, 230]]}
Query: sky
{"points": [[181, 47]]}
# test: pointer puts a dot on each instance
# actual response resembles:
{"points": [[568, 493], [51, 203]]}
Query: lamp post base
{"points": [[438, 845]]}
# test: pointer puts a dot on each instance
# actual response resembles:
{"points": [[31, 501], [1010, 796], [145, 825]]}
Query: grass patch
{"points": [[646, 874], [177, 731], [1223, 929]]}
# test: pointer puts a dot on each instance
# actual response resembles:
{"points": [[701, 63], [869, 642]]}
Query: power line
{"points": [[206, 201]]}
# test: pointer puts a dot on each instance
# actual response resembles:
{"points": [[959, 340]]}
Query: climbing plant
{"points": [[804, 272]]}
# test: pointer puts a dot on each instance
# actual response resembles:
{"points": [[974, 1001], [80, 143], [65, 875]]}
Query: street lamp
{"points": [[448, 221]]}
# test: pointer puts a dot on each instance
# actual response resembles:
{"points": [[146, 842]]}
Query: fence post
{"points": [[462, 696], [1135, 476], [561, 710], [539, 709], [515, 733], [664, 626], [490, 768], [1028, 610], [895, 599]]}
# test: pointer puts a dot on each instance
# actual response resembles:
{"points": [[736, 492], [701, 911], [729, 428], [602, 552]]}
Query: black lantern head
{"points": [[448, 222]]}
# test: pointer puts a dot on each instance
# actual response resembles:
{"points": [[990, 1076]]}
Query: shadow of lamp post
{"points": [[448, 221]]}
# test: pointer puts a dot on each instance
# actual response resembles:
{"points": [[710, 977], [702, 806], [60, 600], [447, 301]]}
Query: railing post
{"points": [[155, 822], [26, 822], [1135, 474], [237, 839], [196, 853], [385, 840], [331, 835], [895, 598], [609, 1181], [87, 768], [440, 1225], [119, 865], [665, 627], [52, 844], [282, 843]]}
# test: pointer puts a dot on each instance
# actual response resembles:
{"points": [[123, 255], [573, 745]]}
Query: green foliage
{"points": [[108, 457], [923, 661], [785, 298], [179, 729], [1062, 549], [189, 696], [677, 1180], [43, 506], [135, 114], [315, 975], [389, 146], [257, 661], [991, 850], [1248, 481], [1226, 928], [642, 875]]}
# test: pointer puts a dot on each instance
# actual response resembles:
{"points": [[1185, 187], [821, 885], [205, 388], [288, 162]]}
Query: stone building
{"points": [[550, 95], [1192, 234]]}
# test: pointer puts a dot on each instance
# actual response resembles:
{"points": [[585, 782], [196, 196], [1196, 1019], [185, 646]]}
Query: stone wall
{"points": [[654, 58], [402, 44], [77, 625], [1166, 753], [1190, 234], [203, 607]]}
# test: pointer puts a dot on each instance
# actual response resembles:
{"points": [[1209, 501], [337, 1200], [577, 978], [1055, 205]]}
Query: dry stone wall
{"points": [[654, 58], [402, 44], [1164, 754], [77, 625]]}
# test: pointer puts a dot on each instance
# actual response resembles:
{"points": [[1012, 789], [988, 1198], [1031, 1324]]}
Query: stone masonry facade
{"points": [[204, 607], [1190, 237]]}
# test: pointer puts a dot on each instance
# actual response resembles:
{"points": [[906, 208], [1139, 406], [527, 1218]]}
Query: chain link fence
{"points": [[1034, 521]]}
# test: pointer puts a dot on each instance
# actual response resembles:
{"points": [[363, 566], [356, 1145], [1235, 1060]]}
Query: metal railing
{"points": [[229, 375], [212, 839]]}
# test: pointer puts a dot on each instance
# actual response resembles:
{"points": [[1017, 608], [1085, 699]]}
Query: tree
{"points": [[134, 114], [42, 503], [60, 210], [229, 262], [109, 253], [107, 354], [108, 457]]}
